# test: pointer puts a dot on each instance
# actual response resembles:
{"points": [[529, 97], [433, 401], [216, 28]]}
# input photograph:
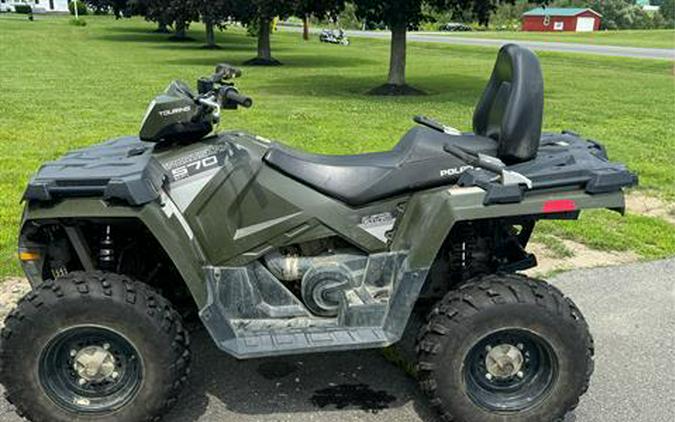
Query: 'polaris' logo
{"points": [[454, 171], [167, 113]]}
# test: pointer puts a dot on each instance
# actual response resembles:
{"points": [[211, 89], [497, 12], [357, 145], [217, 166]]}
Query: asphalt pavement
{"points": [[631, 311], [442, 38]]}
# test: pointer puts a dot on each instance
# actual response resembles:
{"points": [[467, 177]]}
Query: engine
{"points": [[320, 280]]}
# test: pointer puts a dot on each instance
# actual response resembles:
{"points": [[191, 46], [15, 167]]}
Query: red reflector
{"points": [[559, 205]]}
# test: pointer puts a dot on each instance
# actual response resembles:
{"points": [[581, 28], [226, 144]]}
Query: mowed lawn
{"points": [[660, 38], [64, 87]]}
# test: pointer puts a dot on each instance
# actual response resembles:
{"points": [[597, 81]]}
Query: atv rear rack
{"points": [[563, 160]]}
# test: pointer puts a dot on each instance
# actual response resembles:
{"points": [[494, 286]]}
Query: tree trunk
{"points": [[264, 44], [264, 57], [397, 56], [162, 27], [305, 27], [210, 35], [180, 30]]}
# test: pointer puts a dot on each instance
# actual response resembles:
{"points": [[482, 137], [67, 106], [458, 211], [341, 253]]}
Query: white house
{"points": [[39, 6]]}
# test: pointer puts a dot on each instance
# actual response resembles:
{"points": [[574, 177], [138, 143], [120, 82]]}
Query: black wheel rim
{"points": [[525, 385], [64, 383]]}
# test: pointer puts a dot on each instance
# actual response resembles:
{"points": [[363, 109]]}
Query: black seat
{"points": [[417, 161], [507, 124]]}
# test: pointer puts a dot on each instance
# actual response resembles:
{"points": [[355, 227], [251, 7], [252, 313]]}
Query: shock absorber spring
{"points": [[106, 251], [461, 251]]}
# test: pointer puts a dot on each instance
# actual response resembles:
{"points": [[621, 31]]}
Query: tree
{"points": [[621, 14], [402, 15], [214, 14], [153, 11], [118, 7], [258, 15], [667, 10], [318, 8], [102, 6], [182, 13], [179, 13]]}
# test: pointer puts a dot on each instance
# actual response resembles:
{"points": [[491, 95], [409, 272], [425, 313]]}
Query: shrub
{"points": [[23, 9], [81, 8], [78, 22], [668, 13]]}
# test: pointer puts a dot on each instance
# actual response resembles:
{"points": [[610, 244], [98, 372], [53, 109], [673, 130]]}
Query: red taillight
{"points": [[559, 205]]}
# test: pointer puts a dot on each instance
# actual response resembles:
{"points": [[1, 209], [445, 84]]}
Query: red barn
{"points": [[561, 19]]}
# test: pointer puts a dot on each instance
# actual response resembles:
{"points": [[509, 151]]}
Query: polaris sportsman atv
{"points": [[281, 251]]}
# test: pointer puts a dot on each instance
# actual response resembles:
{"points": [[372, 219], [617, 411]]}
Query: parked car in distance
{"points": [[454, 27]]}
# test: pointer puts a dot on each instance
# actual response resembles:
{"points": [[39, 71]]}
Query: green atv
{"points": [[280, 251]]}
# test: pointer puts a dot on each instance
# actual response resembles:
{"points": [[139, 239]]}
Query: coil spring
{"points": [[461, 251]]}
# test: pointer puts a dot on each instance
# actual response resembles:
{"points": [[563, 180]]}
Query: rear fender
{"points": [[430, 215]]}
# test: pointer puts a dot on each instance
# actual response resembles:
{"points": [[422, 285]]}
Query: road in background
{"points": [[439, 37], [631, 311]]}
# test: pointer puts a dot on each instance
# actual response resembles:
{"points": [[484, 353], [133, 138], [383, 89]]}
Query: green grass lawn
{"points": [[63, 87], [659, 38]]}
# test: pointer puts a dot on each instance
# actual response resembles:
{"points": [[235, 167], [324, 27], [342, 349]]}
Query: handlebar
{"points": [[209, 103], [231, 94], [216, 94]]}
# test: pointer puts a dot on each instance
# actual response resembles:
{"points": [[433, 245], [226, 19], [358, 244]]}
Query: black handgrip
{"points": [[430, 123], [244, 101], [493, 165], [461, 154]]}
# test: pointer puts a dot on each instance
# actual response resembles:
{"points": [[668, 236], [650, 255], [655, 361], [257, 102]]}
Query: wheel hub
{"points": [[504, 361], [94, 363]]}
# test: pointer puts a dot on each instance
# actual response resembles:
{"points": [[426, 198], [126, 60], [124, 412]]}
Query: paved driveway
{"points": [[631, 311]]}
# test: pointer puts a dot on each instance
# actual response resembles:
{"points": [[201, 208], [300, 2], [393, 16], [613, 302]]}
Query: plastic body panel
{"points": [[162, 219], [122, 168], [222, 209]]}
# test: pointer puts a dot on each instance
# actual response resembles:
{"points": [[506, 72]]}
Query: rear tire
{"points": [[505, 348], [93, 346]]}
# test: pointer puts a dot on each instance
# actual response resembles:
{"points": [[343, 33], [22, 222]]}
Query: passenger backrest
{"points": [[512, 106]]}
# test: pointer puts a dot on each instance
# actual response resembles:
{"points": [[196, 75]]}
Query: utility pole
{"points": [[77, 17]]}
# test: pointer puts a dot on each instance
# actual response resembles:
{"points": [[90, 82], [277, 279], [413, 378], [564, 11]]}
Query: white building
{"points": [[39, 6]]}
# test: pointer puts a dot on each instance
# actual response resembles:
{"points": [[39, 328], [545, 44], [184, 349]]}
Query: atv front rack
{"points": [[122, 169]]}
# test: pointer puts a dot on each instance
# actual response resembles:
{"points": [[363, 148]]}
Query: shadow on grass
{"points": [[287, 60], [140, 37], [459, 89], [198, 46], [222, 37], [150, 29]]}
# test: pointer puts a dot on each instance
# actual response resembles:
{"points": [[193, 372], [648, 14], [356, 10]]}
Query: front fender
{"points": [[162, 219]]}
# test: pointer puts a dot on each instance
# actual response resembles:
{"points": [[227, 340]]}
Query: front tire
{"points": [[505, 348], [93, 346]]}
